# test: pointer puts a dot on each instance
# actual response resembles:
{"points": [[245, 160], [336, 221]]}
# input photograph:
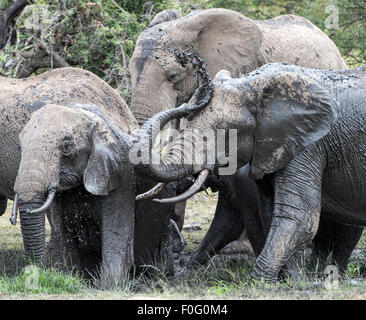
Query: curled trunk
{"points": [[174, 166]]}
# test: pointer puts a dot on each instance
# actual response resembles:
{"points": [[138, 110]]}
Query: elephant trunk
{"points": [[33, 232], [152, 97], [171, 167], [34, 196]]}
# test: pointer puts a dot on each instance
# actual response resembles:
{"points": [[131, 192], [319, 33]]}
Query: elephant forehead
{"points": [[142, 52], [53, 119], [155, 45]]}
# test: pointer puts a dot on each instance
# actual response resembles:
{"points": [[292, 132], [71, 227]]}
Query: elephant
{"points": [[302, 132], [175, 54], [165, 65], [239, 207], [92, 210]]}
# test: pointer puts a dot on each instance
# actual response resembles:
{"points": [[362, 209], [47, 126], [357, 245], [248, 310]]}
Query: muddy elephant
{"points": [[165, 64], [85, 155], [175, 54], [239, 207], [302, 131]]}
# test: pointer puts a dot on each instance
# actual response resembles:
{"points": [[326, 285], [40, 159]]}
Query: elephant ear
{"points": [[102, 173], [295, 112], [225, 39], [163, 16]]}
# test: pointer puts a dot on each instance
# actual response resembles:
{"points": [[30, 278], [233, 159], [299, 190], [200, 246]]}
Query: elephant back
{"points": [[295, 40]]}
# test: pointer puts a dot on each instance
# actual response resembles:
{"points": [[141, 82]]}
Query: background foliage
{"points": [[100, 35]]}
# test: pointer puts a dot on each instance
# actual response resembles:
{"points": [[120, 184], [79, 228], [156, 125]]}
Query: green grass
{"points": [[224, 277], [34, 280]]}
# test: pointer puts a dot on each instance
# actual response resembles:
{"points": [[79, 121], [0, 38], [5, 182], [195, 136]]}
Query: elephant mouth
{"points": [[68, 181], [193, 189], [35, 206], [28, 206]]}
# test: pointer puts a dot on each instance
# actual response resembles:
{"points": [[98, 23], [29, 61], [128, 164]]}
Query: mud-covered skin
{"points": [[76, 239], [306, 129], [224, 39], [237, 208], [64, 148], [20, 99], [94, 227]]}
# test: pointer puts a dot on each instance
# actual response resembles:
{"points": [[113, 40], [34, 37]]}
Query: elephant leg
{"points": [[265, 198], [296, 214], [226, 226], [244, 197], [253, 229], [345, 240], [55, 248], [239, 246], [3, 205], [322, 244], [178, 215], [118, 224], [336, 238]]}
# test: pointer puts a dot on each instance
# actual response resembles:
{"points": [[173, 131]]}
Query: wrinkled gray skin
{"points": [[82, 153], [164, 64], [303, 133], [238, 208], [224, 39]]}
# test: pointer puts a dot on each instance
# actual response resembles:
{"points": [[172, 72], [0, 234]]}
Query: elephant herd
{"points": [[73, 150]]}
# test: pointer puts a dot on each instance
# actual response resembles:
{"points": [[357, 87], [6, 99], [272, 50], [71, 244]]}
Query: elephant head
{"points": [[168, 56], [167, 64], [62, 148], [276, 112]]}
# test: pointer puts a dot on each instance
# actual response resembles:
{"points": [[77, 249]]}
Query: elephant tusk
{"points": [[13, 218], [182, 243], [190, 192], [152, 192], [47, 204]]}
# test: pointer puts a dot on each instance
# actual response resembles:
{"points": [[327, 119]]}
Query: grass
{"points": [[224, 277]]}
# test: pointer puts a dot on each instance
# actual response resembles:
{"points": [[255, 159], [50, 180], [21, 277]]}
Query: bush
{"points": [[97, 36]]}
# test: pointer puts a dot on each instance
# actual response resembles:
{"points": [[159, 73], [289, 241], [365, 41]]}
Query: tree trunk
{"points": [[7, 16]]}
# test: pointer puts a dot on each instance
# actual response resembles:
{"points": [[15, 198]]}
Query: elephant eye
{"points": [[172, 77], [67, 147]]}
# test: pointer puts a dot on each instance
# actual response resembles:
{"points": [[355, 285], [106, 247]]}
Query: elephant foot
{"points": [[239, 246], [257, 275], [112, 278], [295, 268], [263, 271], [3, 205]]}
